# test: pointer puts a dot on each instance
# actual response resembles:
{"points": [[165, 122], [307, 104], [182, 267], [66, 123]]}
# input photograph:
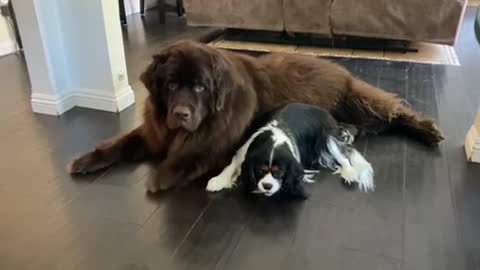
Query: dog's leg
{"points": [[129, 147], [163, 177], [353, 166], [176, 170], [226, 179], [375, 111]]}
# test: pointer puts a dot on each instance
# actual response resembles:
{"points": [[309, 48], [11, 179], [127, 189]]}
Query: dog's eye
{"points": [[261, 171], [172, 86], [277, 174], [199, 88]]}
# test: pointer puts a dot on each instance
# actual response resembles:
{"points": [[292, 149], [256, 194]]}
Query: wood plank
{"points": [[457, 112], [431, 232], [215, 235], [265, 241]]}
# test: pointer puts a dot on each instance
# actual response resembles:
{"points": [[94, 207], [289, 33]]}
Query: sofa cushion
{"points": [[258, 15], [426, 20], [307, 16]]}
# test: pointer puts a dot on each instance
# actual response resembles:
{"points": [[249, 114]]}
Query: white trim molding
{"points": [[472, 141], [51, 104], [7, 47], [103, 100], [87, 98]]}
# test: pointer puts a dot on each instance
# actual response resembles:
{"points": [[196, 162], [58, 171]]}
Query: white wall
{"points": [[115, 45], [53, 43], [85, 44], [36, 53], [74, 53]]}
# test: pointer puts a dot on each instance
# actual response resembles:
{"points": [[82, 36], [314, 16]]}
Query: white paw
{"points": [[362, 176], [218, 183], [309, 178]]}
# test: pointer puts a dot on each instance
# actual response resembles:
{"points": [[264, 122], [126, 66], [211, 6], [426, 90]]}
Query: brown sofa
{"points": [[435, 21]]}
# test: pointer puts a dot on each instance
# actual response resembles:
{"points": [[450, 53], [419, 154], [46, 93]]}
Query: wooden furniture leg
{"points": [[123, 16], [142, 7], [180, 9]]}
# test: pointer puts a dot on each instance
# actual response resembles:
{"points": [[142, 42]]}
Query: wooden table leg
{"points": [[123, 16], [142, 7], [472, 141], [161, 10]]}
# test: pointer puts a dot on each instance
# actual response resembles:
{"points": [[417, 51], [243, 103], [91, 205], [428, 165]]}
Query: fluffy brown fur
{"points": [[238, 88]]}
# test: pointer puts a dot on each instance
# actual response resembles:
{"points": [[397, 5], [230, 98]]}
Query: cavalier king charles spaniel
{"points": [[286, 150]]}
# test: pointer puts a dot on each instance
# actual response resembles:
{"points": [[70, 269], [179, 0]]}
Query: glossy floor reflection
{"points": [[425, 213]]}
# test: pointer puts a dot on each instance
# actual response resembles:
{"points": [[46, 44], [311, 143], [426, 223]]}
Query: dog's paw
{"points": [[87, 163], [152, 186], [218, 183], [346, 136], [430, 132]]}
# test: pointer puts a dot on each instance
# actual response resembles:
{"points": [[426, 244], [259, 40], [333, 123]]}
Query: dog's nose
{"points": [[182, 112], [267, 186]]}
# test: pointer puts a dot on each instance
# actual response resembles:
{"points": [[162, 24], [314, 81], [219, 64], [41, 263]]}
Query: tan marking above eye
{"points": [[275, 168], [264, 168]]}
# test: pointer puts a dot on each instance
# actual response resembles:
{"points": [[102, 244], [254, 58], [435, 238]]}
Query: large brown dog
{"points": [[202, 100]]}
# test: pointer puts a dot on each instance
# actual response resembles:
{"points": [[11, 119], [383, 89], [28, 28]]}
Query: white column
{"points": [[7, 39], [472, 141], [75, 55]]}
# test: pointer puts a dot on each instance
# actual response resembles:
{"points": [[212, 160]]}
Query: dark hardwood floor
{"points": [[424, 214]]}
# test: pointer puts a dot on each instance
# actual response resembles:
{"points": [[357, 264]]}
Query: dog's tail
{"points": [[376, 111], [349, 163]]}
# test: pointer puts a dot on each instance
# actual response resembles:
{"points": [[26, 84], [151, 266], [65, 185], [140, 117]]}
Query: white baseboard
{"points": [[52, 105], [472, 145], [105, 101], [7, 47], [87, 98], [132, 6]]}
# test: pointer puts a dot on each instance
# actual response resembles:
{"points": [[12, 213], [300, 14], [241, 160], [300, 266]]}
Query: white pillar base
{"points": [[472, 141], [87, 98], [472, 145]]}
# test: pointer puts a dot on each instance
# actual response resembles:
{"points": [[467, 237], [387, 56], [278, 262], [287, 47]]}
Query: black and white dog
{"points": [[289, 148]]}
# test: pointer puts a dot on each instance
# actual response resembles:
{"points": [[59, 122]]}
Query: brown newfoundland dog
{"points": [[202, 100]]}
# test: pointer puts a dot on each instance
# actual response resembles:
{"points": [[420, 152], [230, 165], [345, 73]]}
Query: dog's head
{"points": [[271, 169], [189, 82]]}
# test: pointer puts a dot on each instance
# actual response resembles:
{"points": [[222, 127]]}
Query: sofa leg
{"points": [[472, 141]]}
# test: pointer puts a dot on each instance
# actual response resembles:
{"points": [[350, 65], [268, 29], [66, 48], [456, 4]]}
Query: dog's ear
{"points": [[153, 76], [224, 77], [160, 58], [293, 184], [247, 177]]}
